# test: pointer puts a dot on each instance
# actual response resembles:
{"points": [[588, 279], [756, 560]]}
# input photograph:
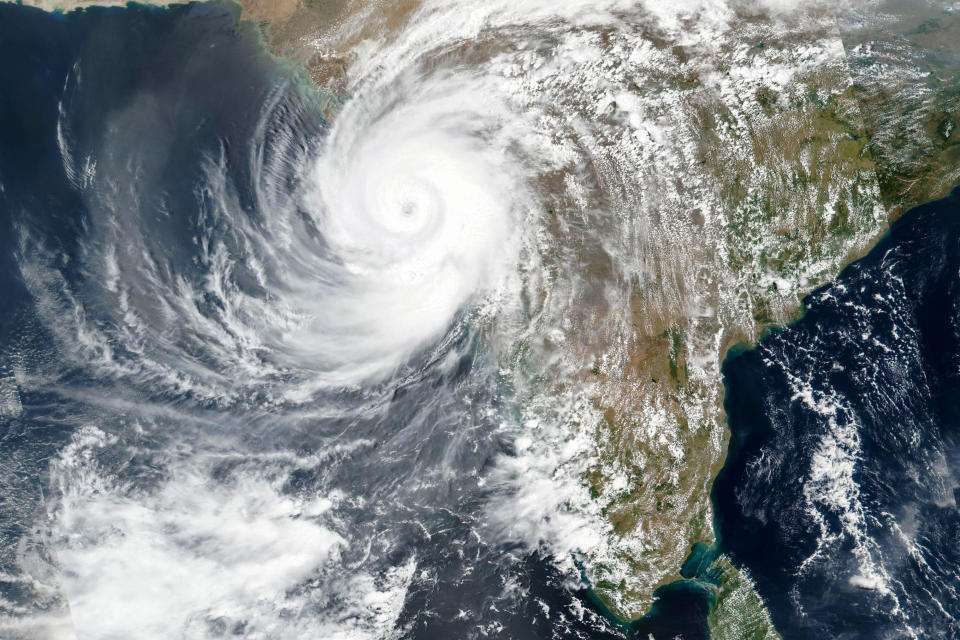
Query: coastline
{"points": [[740, 431]]}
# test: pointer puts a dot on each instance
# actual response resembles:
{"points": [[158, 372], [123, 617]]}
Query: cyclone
{"points": [[421, 215], [369, 239]]}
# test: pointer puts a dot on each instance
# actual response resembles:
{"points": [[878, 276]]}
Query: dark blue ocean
{"points": [[840, 491]]}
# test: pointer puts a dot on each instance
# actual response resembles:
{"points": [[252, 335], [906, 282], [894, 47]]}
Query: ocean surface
{"points": [[171, 464], [840, 491]]}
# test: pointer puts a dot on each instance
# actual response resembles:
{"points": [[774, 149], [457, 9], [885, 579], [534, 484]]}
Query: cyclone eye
{"points": [[408, 208]]}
